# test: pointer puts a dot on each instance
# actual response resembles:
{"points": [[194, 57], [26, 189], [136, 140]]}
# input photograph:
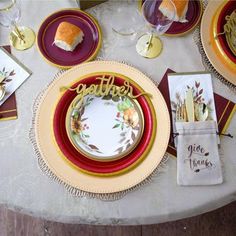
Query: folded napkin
{"points": [[225, 110], [8, 110], [198, 161]]}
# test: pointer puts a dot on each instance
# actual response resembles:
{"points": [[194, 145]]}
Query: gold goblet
{"points": [[21, 37], [150, 45]]}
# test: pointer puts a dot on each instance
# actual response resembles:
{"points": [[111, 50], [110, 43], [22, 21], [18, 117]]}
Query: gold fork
{"points": [[181, 114]]}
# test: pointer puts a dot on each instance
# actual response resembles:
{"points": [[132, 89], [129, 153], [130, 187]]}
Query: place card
{"points": [[12, 74]]}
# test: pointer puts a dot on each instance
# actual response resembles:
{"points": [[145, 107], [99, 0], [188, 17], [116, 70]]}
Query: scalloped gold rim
{"points": [[95, 184]]}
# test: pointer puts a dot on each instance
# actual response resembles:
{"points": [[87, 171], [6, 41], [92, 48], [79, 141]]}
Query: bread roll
{"points": [[181, 9], [68, 36]]}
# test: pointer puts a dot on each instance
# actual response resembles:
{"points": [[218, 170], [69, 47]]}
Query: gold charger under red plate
{"points": [[95, 184], [219, 21], [209, 43]]}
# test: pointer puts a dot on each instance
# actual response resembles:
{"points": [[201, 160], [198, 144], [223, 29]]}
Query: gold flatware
{"points": [[190, 105], [201, 111], [181, 115], [2, 92]]}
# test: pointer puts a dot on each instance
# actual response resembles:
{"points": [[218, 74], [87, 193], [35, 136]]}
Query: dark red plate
{"points": [[228, 8], [85, 51], [97, 167], [193, 16]]}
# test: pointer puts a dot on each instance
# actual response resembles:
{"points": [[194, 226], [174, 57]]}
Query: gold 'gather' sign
{"points": [[105, 88]]}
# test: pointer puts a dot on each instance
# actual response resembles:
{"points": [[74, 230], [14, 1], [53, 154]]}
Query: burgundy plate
{"points": [[97, 167], [85, 51], [193, 16], [227, 10]]}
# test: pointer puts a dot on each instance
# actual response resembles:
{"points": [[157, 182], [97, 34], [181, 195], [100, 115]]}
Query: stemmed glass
{"points": [[21, 37], [159, 15]]}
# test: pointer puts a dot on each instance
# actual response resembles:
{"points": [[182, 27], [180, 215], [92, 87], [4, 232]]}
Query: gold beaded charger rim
{"points": [[206, 62], [94, 186]]}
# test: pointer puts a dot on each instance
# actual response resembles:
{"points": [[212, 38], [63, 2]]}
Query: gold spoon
{"points": [[2, 92], [201, 111]]}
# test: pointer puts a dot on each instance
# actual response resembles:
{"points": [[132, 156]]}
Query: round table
{"points": [[23, 187]]}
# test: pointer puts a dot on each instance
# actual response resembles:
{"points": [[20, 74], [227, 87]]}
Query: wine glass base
{"points": [[27, 41], [149, 46]]}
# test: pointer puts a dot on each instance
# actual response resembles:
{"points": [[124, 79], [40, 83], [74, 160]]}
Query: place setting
{"points": [[216, 40], [128, 113], [103, 128]]}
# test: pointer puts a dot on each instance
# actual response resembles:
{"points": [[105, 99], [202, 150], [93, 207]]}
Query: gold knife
{"points": [[190, 105]]}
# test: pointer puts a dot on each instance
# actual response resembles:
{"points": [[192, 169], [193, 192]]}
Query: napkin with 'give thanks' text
{"points": [[198, 161], [225, 110]]}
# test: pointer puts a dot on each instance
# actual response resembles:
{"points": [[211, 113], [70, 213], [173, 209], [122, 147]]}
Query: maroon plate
{"points": [[228, 8], [85, 51], [193, 16], [92, 166]]}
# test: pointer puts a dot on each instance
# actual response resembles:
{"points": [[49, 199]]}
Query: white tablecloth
{"points": [[23, 186]]}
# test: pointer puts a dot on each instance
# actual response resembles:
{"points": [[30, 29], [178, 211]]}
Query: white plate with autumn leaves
{"points": [[104, 128]]}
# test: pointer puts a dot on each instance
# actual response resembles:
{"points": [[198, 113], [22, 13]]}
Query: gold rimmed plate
{"points": [[104, 128], [83, 52], [76, 178], [209, 42], [223, 29]]}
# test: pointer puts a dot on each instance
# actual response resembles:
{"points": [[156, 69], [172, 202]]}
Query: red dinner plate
{"points": [[85, 51], [228, 8], [193, 16], [96, 167]]}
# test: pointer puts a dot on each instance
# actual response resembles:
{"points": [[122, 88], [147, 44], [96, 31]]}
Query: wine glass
{"points": [[159, 15], [125, 23], [21, 37]]}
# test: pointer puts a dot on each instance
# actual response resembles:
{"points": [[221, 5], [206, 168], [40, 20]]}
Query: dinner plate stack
{"points": [[218, 37], [102, 127]]}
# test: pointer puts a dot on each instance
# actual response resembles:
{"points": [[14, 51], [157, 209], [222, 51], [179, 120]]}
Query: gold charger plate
{"points": [[72, 176], [223, 55], [209, 42]]}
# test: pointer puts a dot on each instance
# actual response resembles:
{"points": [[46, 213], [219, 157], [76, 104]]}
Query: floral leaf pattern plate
{"points": [[104, 127]]}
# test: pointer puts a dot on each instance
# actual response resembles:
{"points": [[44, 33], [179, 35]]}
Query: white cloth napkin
{"points": [[198, 161]]}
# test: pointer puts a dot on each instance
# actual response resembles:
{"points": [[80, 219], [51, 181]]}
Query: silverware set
{"points": [[188, 111], [2, 92]]}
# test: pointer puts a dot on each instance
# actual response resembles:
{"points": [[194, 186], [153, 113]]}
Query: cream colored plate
{"points": [[72, 176], [209, 42], [104, 128]]}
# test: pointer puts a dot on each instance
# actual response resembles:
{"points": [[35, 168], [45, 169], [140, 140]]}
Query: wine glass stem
{"points": [[18, 33], [149, 41]]}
